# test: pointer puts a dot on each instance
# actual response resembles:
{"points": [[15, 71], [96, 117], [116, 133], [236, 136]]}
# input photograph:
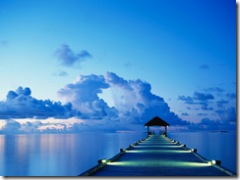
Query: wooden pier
{"points": [[157, 155]]}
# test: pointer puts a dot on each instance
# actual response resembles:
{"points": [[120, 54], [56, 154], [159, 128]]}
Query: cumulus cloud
{"points": [[133, 104], [136, 103], [20, 104], [69, 58], [83, 95]]}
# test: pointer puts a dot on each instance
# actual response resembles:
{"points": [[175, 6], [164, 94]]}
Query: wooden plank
{"points": [[157, 156]]}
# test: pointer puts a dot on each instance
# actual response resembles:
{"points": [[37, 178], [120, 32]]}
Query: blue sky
{"points": [[186, 52]]}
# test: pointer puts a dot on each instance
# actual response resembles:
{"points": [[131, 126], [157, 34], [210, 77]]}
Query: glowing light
{"points": [[193, 150], [217, 162], [183, 145], [157, 146], [157, 151], [102, 161], [139, 163]]}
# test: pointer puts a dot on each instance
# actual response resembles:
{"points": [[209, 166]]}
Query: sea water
{"points": [[59, 154], [212, 145], [72, 154]]}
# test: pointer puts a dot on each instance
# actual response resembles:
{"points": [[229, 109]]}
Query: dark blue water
{"points": [[212, 145], [72, 154]]}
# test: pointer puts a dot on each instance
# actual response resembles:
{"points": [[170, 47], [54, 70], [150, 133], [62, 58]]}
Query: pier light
{"points": [[183, 145], [217, 162], [102, 161], [193, 150]]}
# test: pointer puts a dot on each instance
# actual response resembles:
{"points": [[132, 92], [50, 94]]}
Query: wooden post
{"points": [[165, 130], [148, 129]]}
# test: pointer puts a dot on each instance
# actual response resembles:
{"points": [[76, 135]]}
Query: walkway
{"points": [[157, 156]]}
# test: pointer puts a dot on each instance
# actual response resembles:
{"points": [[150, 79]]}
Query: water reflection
{"points": [[58, 154], [212, 145], [72, 154]]}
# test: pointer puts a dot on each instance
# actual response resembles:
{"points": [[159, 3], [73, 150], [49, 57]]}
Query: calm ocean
{"points": [[72, 154], [212, 145]]}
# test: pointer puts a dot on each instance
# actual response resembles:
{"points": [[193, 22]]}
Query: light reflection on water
{"points": [[58, 154], [211, 145], [72, 154]]}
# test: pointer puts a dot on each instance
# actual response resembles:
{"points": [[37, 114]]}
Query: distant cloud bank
{"points": [[133, 104], [216, 107], [20, 104]]}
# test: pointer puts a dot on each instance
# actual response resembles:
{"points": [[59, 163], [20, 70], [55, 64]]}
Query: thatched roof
{"points": [[156, 121]]}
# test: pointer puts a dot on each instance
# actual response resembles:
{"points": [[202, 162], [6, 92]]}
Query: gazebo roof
{"points": [[156, 121]]}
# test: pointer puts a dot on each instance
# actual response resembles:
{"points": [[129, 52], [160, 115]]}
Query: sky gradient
{"points": [[117, 62]]}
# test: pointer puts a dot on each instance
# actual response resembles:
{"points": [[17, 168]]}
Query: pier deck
{"points": [[157, 156]]}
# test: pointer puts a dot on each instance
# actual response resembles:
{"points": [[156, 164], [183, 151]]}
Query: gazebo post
{"points": [[165, 130]]}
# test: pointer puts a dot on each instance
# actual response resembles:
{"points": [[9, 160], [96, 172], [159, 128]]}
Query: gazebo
{"points": [[157, 121]]}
